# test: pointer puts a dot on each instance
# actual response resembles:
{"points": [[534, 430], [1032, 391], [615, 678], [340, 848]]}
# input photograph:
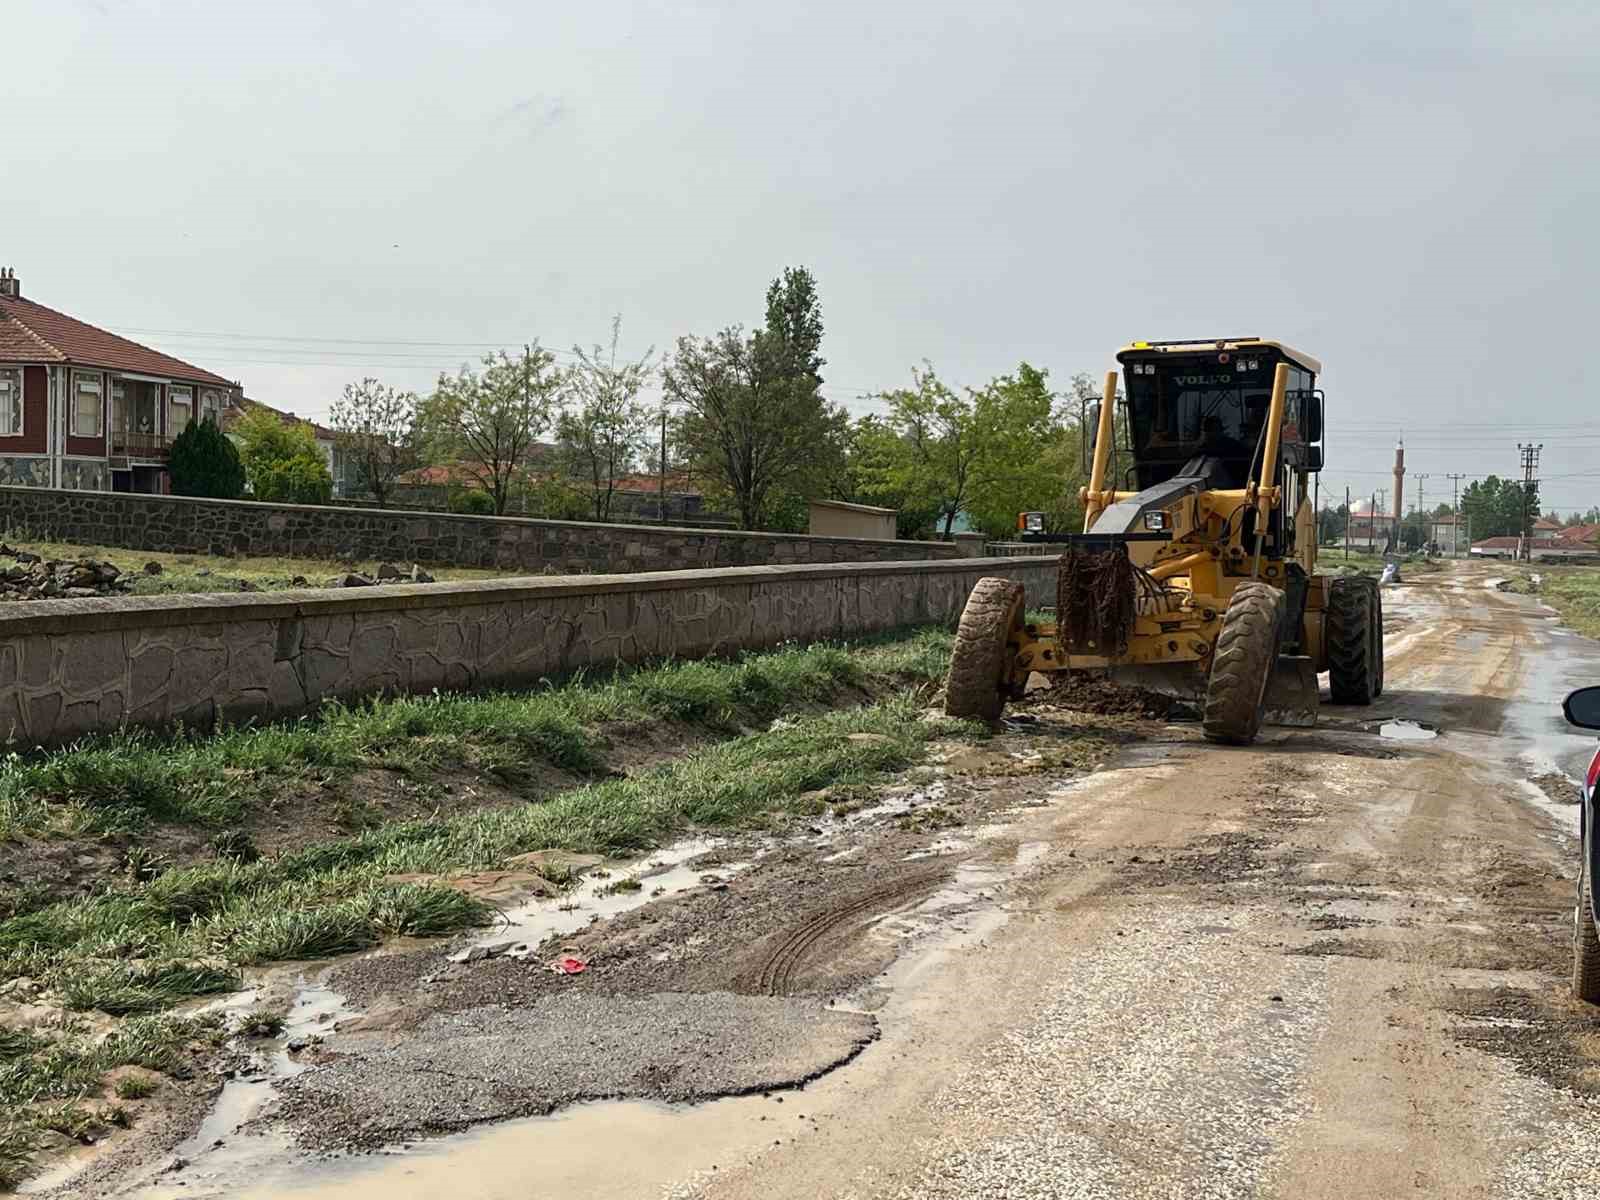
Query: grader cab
{"points": [[1196, 571]]}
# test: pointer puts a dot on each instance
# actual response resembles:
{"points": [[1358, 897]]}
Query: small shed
{"points": [[835, 518]]}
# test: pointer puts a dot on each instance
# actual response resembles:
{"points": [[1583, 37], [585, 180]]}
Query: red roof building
{"points": [[83, 408]]}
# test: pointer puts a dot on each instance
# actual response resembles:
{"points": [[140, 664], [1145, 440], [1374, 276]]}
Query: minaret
{"points": [[1399, 482]]}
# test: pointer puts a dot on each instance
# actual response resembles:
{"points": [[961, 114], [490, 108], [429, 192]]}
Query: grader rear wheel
{"points": [[1247, 648], [975, 688], [1352, 664]]}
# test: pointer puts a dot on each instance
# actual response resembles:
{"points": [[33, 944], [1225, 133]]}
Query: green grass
{"points": [[136, 1087], [48, 1087], [124, 782], [189, 929], [1574, 592]]}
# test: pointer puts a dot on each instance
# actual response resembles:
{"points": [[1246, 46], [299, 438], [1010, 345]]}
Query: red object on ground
{"points": [[568, 965]]}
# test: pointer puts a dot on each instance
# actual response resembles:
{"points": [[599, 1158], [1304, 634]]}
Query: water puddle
{"points": [[1407, 731], [601, 896]]}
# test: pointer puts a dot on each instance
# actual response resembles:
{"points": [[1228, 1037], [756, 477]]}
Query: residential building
{"points": [[1370, 530], [1442, 535], [1546, 529], [83, 408]]}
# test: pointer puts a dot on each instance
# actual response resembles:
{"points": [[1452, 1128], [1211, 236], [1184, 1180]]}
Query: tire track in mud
{"points": [[776, 973]]}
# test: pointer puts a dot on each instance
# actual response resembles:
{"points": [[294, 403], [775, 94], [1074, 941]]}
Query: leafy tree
{"points": [[601, 433], [1495, 507], [205, 463], [376, 426], [877, 472], [997, 451], [755, 425], [282, 460], [488, 422], [1331, 522]]}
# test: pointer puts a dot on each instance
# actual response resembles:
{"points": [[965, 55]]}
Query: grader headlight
{"points": [[1156, 522]]}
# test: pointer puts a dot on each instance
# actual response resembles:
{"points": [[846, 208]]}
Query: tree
{"points": [[1496, 507], [755, 426], [205, 463], [282, 460], [488, 422], [997, 451], [876, 471], [1331, 522], [601, 434], [376, 426]]}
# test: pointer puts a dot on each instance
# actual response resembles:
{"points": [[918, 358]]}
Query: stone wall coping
{"points": [[24, 617], [348, 510]]}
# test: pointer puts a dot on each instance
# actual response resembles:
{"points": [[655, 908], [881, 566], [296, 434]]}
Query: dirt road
{"points": [[1329, 965]]}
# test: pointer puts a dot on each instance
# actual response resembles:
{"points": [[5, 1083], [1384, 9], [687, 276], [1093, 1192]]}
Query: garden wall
{"points": [[183, 525], [70, 667]]}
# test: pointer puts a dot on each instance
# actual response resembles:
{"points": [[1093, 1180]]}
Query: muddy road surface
{"points": [[1095, 958]]}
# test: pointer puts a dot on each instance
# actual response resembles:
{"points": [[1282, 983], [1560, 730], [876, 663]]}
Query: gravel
{"points": [[1167, 1064], [487, 1064]]}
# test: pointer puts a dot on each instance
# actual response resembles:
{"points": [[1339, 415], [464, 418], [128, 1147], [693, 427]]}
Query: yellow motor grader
{"points": [[1195, 574]]}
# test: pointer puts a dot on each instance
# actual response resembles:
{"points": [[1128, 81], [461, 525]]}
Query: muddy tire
{"points": [[1585, 944], [1246, 651], [1377, 641], [1349, 631], [975, 687]]}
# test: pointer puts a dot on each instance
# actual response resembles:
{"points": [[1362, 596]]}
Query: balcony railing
{"points": [[128, 444]]}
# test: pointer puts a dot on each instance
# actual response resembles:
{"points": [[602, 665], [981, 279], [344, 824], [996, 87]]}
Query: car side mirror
{"points": [[1313, 458], [1582, 708]]}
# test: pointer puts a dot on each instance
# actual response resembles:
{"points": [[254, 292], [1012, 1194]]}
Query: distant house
{"points": [[1546, 549], [1588, 534], [84, 408], [1442, 534], [1546, 529], [343, 469], [1369, 530]]}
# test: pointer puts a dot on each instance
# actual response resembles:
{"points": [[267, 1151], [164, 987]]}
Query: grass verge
{"points": [[1574, 592], [124, 782], [137, 947]]}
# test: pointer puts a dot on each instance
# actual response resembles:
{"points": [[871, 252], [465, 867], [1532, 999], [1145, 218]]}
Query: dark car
{"points": [[1583, 709]]}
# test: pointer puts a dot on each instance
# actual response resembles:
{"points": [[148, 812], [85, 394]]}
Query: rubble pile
{"points": [[34, 578]]}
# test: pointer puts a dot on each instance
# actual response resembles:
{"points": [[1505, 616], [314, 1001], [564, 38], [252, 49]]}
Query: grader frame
{"points": [[1185, 586]]}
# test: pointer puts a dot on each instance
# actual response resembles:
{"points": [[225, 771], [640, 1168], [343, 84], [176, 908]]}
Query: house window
{"points": [[180, 405], [211, 402], [88, 407], [10, 401]]}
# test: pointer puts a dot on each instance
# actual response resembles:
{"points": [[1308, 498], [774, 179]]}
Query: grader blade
{"points": [[1292, 692]]}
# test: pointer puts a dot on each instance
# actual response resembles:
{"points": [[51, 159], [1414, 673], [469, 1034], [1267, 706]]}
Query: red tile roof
{"points": [[1547, 523], [236, 410], [30, 332], [1581, 533]]}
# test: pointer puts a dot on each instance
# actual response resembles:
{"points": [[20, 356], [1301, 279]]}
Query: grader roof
{"points": [[1205, 345]]}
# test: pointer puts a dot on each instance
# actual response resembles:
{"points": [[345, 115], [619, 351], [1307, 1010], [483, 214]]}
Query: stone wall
{"points": [[71, 667], [182, 525]]}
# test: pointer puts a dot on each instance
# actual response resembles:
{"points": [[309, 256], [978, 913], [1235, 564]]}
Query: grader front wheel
{"points": [[1247, 648], [976, 686]]}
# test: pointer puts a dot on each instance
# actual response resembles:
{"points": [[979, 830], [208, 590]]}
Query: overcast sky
{"points": [[299, 194]]}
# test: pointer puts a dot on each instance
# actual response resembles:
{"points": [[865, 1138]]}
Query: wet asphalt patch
{"points": [[1541, 1039], [489, 1064]]}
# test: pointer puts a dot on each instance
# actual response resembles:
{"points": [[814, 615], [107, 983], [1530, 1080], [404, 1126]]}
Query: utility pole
{"points": [[1347, 522], [1427, 525], [1455, 514], [1530, 484]]}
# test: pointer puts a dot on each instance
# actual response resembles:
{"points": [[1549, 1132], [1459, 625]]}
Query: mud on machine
{"points": [[1196, 571]]}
